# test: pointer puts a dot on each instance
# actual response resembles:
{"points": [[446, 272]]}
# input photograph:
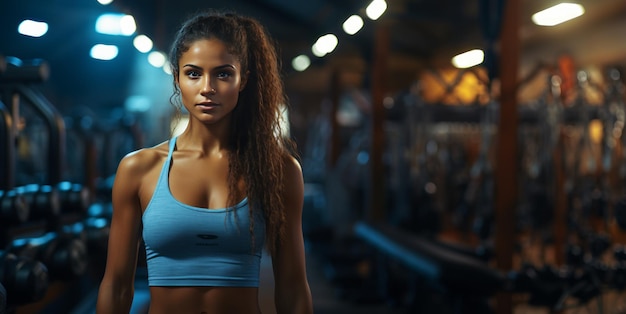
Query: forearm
{"points": [[114, 299], [293, 301]]}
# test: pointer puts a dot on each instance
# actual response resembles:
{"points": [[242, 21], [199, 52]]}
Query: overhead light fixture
{"points": [[142, 43], [105, 2], [375, 9], [300, 63], [468, 59], [104, 52], [157, 59], [353, 24], [325, 45], [116, 24], [32, 28], [558, 14], [167, 68]]}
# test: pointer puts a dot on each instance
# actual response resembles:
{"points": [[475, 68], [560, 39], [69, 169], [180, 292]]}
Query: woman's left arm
{"points": [[292, 294]]}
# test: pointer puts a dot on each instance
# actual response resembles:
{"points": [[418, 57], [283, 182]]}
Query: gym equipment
{"points": [[63, 253], [73, 197], [13, 208], [25, 280], [7, 140], [43, 201], [14, 87], [443, 268], [18, 71]]}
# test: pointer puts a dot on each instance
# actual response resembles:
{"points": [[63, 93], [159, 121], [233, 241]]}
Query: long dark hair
{"points": [[258, 150]]}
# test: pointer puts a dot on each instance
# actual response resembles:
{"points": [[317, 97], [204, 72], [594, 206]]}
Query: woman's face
{"points": [[210, 80]]}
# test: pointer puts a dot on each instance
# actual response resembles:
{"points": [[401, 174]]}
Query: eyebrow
{"points": [[224, 66]]}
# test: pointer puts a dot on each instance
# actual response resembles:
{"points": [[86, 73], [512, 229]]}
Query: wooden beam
{"points": [[506, 174], [378, 81]]}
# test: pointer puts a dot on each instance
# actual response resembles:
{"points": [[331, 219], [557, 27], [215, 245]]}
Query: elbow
{"points": [[114, 299]]}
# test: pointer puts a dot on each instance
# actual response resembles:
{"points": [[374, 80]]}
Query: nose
{"points": [[207, 87]]}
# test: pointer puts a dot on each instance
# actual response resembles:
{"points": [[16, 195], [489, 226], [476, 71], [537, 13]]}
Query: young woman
{"points": [[208, 201]]}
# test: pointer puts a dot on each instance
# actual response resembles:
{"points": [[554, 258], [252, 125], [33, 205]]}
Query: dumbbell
{"points": [[64, 254], [74, 197], [97, 234], [43, 201], [13, 208], [24, 279]]}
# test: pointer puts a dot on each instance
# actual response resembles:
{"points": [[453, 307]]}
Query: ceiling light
{"points": [[352, 25], [167, 68], [558, 14], [375, 9], [104, 52], [325, 44], [157, 59], [301, 63], [32, 28], [142, 43], [468, 59], [105, 2], [116, 24]]}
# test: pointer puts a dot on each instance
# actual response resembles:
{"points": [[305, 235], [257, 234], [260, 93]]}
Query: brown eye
{"points": [[193, 74], [224, 75]]}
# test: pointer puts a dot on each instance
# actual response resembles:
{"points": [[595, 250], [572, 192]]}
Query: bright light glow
{"points": [[142, 43], [558, 14], [301, 63], [375, 9], [167, 68], [32, 28], [116, 24], [352, 25], [468, 59], [105, 2], [324, 45], [157, 59], [284, 130], [317, 52], [128, 25], [104, 52]]}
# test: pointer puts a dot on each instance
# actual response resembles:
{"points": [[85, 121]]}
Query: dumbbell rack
{"points": [[42, 234]]}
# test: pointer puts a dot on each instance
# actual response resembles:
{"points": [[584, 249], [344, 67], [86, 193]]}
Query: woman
{"points": [[207, 201]]}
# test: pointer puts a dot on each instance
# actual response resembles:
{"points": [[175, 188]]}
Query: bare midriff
{"points": [[209, 300]]}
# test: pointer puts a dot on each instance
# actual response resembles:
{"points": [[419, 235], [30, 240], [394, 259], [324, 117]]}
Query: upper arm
{"points": [[289, 262], [125, 226]]}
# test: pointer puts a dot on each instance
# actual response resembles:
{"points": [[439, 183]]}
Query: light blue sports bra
{"points": [[192, 246]]}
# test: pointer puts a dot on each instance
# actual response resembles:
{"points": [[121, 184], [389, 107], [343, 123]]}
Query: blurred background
{"points": [[458, 156]]}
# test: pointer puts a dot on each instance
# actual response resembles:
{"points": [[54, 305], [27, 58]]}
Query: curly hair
{"points": [[257, 149]]}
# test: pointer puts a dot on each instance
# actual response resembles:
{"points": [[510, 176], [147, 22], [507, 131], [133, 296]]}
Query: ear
{"points": [[244, 80]]}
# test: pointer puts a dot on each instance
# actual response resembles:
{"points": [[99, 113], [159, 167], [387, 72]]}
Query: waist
{"points": [[204, 300]]}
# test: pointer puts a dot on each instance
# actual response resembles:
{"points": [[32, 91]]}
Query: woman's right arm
{"points": [[117, 287]]}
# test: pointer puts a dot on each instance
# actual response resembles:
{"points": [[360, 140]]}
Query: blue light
{"points": [[116, 24]]}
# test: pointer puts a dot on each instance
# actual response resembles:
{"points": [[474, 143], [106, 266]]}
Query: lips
{"points": [[206, 105]]}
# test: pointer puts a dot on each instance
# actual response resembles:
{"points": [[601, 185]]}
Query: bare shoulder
{"points": [[293, 183], [142, 161], [292, 169]]}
